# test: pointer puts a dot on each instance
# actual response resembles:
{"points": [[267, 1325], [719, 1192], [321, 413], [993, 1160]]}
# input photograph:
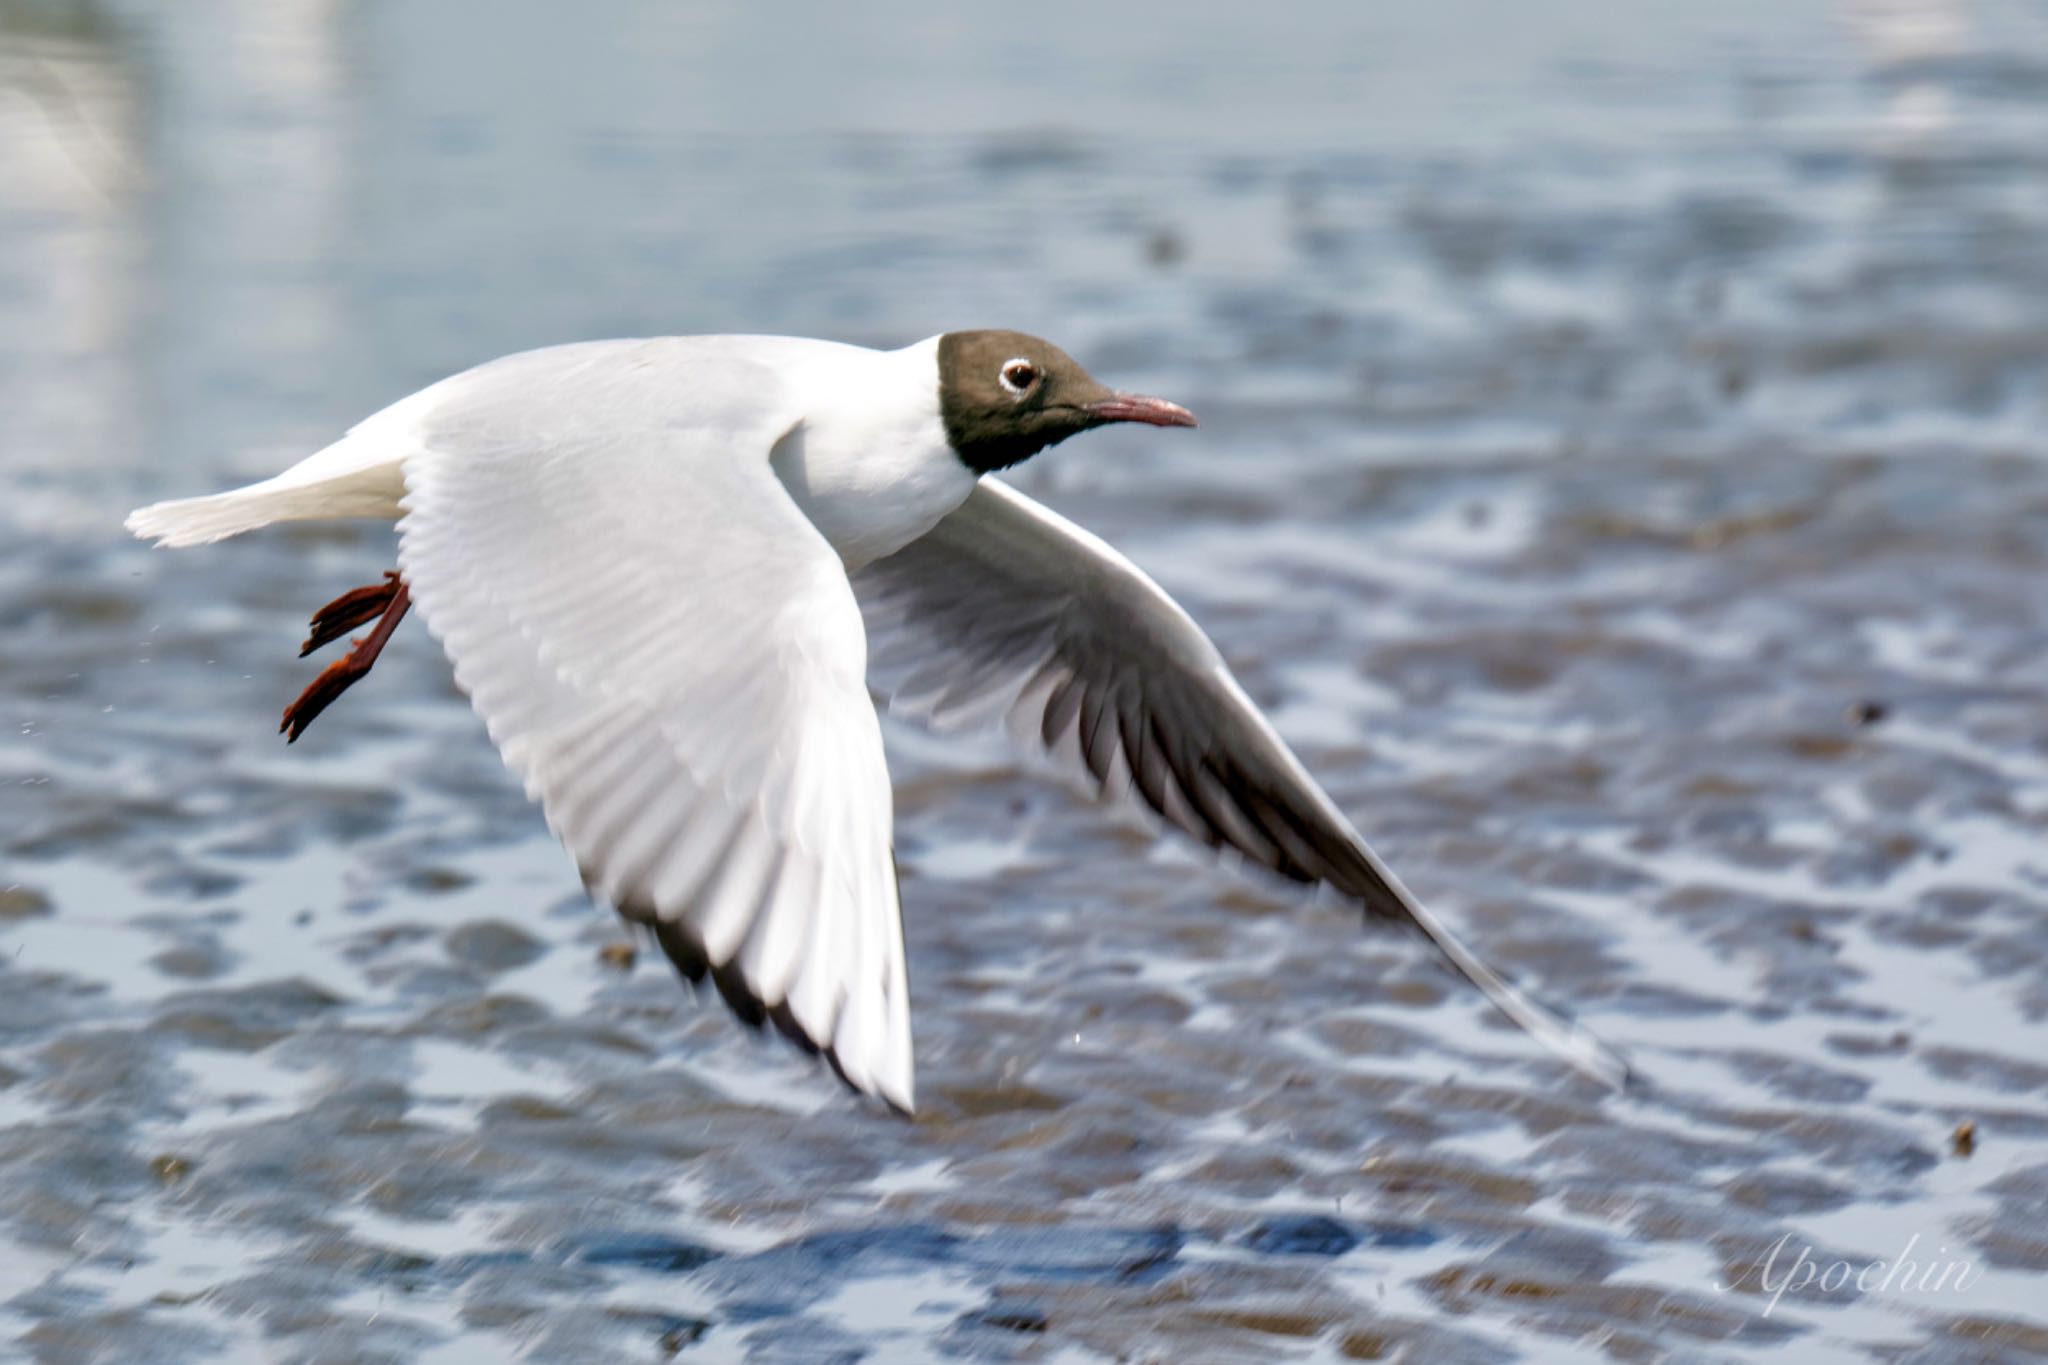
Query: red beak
{"points": [[1136, 407]]}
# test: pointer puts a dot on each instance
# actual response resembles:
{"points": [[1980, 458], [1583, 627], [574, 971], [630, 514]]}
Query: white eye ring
{"points": [[1014, 386]]}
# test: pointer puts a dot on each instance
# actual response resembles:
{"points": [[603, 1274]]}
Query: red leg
{"points": [[350, 610], [342, 674]]}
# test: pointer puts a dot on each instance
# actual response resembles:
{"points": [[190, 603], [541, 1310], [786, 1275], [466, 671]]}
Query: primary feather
{"points": [[1006, 609]]}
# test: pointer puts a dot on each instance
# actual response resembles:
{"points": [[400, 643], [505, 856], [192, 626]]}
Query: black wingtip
{"points": [[750, 1009]]}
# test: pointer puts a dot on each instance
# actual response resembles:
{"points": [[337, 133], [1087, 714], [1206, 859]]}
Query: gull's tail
{"points": [[350, 478]]}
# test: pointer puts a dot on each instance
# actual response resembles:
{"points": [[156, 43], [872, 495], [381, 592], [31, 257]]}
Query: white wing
{"points": [[669, 653], [1007, 609]]}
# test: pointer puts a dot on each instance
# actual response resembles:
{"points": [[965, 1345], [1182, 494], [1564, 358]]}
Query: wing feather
{"points": [[1005, 602], [669, 654]]}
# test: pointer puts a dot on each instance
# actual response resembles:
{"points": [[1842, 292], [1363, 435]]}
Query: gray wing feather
{"points": [[1005, 609]]}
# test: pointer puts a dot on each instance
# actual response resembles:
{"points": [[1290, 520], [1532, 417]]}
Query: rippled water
{"points": [[1620, 475]]}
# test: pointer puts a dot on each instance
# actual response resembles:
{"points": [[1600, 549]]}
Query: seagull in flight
{"points": [[666, 571]]}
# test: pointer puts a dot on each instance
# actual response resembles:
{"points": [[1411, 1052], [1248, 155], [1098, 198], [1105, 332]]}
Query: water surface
{"points": [[1620, 477]]}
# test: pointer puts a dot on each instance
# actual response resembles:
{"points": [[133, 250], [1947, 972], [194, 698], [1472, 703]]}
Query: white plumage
{"points": [[642, 558], [659, 640]]}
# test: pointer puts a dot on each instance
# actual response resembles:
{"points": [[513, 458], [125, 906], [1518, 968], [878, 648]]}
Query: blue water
{"points": [[1620, 477]]}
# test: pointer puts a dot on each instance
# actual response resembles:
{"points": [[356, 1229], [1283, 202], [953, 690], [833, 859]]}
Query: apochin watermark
{"points": [[1901, 1274]]}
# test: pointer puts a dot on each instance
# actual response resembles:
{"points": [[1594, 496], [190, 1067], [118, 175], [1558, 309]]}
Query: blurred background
{"points": [[229, 229], [1621, 475]]}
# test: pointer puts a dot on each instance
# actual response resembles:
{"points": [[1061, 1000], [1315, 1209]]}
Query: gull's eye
{"points": [[1018, 375]]}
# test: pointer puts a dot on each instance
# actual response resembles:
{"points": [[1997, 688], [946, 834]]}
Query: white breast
{"points": [[870, 465]]}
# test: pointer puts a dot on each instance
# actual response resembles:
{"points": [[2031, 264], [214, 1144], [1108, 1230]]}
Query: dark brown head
{"points": [[1005, 396]]}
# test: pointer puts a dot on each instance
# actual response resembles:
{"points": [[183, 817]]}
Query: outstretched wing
{"points": [[669, 654], [1006, 609]]}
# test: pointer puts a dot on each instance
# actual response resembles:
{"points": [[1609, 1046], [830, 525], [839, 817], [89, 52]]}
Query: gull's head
{"points": [[1005, 396]]}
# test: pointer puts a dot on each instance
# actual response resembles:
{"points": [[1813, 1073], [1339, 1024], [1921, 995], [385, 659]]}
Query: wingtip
{"points": [[893, 1082], [1631, 1081], [1600, 1062], [1572, 1043], [1568, 1040]]}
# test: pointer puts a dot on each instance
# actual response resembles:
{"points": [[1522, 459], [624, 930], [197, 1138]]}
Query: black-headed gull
{"points": [[649, 562]]}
